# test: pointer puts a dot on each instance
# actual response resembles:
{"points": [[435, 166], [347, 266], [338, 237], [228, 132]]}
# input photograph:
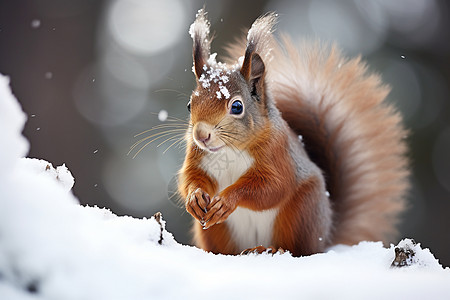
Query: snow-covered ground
{"points": [[53, 248]]}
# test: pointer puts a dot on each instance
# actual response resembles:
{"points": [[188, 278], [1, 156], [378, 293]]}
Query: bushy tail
{"points": [[349, 131]]}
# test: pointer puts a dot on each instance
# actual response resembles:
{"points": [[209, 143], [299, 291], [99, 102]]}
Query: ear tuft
{"points": [[259, 40], [199, 31], [259, 37]]}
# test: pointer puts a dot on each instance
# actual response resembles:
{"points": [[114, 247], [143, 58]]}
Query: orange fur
{"points": [[354, 148], [350, 132], [253, 190], [192, 176], [216, 239], [296, 226]]}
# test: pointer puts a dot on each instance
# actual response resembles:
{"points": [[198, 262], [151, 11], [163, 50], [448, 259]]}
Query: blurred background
{"points": [[91, 75]]}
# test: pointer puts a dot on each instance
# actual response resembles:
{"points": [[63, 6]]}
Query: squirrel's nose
{"points": [[203, 133], [202, 136]]}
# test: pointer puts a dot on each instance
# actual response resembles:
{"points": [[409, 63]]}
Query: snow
{"points": [[240, 61], [204, 81], [260, 34], [215, 73], [35, 23], [45, 169], [12, 120], [224, 91], [200, 26], [51, 247], [162, 115], [212, 60]]}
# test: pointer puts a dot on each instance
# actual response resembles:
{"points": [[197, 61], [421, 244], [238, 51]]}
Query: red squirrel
{"points": [[289, 148]]}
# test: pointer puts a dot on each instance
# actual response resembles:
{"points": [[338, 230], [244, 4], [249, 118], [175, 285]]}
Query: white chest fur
{"points": [[252, 228], [227, 166], [249, 228]]}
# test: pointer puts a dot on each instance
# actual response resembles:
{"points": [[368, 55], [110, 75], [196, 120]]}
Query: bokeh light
{"points": [[146, 27], [106, 100], [337, 22], [416, 21]]}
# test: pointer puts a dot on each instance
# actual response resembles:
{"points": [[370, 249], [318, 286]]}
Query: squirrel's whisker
{"points": [[160, 134], [155, 137], [177, 136], [178, 140], [162, 126], [136, 154], [175, 91], [230, 136], [229, 143], [148, 143]]}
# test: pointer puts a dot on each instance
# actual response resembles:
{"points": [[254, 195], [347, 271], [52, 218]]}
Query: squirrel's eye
{"points": [[237, 107], [189, 106]]}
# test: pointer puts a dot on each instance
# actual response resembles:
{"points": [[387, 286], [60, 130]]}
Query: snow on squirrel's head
{"points": [[228, 98]]}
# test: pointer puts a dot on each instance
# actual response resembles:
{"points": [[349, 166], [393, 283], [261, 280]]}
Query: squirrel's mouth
{"points": [[214, 149], [209, 147]]}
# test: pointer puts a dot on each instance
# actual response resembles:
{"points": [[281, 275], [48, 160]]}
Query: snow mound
{"points": [[410, 254], [12, 120], [41, 167], [53, 248]]}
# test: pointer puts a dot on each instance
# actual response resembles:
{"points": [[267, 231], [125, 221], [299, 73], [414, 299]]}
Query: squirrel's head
{"points": [[230, 103]]}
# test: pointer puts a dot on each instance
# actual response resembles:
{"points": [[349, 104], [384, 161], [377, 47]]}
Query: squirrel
{"points": [[291, 148]]}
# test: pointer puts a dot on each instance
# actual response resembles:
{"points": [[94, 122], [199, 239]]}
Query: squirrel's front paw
{"points": [[218, 211], [196, 204]]}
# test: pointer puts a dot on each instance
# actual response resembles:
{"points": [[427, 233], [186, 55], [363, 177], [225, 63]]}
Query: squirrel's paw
{"points": [[196, 204], [218, 211], [262, 249]]}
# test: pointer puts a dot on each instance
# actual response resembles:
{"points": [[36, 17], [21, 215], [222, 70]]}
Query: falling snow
{"points": [[162, 115], [35, 23]]}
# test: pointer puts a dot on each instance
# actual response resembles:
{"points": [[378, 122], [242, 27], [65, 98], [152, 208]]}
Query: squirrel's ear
{"points": [[258, 68], [259, 39], [199, 32], [253, 70], [253, 66]]}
